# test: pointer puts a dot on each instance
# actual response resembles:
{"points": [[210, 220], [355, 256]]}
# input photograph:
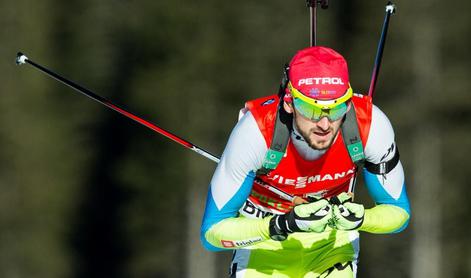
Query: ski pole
{"points": [[22, 59], [312, 4], [390, 9]]}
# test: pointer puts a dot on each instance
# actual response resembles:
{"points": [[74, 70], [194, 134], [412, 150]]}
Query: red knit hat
{"points": [[319, 73]]}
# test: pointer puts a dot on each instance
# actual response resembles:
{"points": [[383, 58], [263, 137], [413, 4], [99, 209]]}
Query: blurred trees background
{"points": [[86, 192]]}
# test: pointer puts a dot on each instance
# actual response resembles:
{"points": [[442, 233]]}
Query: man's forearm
{"points": [[384, 219], [232, 233]]}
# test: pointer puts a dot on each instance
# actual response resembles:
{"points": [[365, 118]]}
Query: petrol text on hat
{"points": [[321, 80]]}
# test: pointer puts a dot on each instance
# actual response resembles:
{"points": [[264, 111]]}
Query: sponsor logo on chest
{"points": [[303, 181], [250, 210]]}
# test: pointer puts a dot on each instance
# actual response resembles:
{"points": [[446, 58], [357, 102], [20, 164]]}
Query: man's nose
{"points": [[323, 123]]}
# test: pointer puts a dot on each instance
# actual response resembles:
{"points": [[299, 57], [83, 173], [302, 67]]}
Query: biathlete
{"points": [[309, 141]]}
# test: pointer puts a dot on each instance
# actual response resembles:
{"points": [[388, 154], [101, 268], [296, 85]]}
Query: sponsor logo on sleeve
{"points": [[268, 102], [227, 243], [240, 243], [388, 152]]}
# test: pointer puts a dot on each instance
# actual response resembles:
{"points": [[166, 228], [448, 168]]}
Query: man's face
{"points": [[318, 134]]}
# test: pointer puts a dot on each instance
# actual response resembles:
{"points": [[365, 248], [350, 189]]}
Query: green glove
{"points": [[346, 214], [309, 217]]}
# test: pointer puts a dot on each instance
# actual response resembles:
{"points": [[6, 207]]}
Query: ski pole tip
{"points": [[20, 58], [390, 8]]}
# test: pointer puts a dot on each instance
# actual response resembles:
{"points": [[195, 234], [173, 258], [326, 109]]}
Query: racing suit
{"points": [[238, 208]]}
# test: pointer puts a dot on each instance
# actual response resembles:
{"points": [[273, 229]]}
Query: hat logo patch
{"points": [[315, 92]]}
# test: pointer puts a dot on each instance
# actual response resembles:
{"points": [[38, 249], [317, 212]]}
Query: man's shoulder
{"points": [[362, 101], [264, 112], [265, 103], [363, 110]]}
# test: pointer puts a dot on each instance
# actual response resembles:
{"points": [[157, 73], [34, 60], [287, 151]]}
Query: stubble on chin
{"points": [[320, 146]]}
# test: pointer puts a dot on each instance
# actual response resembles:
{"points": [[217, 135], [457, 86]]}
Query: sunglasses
{"points": [[315, 110]]}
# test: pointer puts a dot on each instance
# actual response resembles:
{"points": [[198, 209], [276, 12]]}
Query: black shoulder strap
{"points": [[352, 139], [281, 132], [279, 142]]}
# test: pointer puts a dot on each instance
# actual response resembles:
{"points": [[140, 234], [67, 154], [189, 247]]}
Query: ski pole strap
{"points": [[352, 139], [280, 140]]}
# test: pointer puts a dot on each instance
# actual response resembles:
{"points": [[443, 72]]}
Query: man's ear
{"points": [[350, 105], [288, 107]]}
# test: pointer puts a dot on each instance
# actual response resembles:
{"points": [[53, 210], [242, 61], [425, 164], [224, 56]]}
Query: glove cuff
{"points": [[277, 228]]}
